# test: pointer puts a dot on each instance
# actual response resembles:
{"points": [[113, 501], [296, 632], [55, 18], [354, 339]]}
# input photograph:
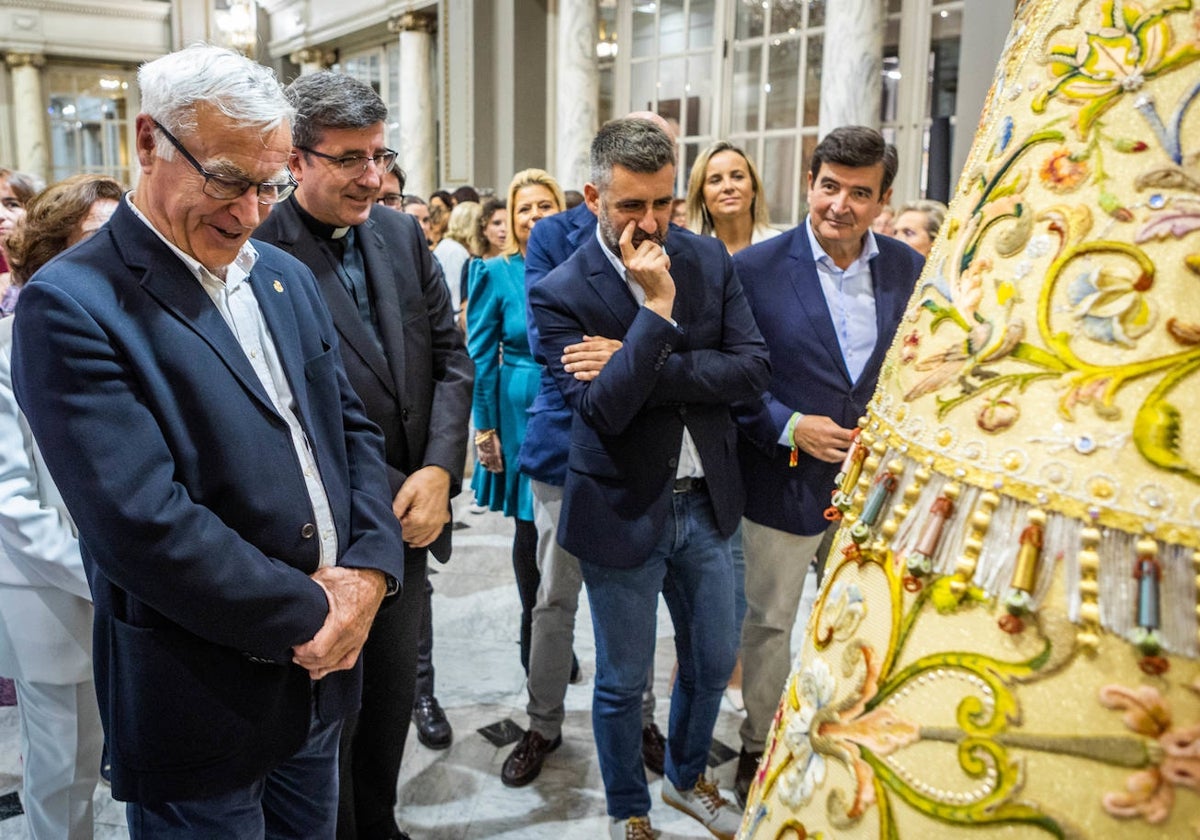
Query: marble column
{"points": [[313, 59], [29, 113], [417, 143], [851, 62], [577, 92]]}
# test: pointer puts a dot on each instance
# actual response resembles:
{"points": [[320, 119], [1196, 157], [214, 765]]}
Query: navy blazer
{"points": [[547, 435], [628, 422], [809, 374], [194, 521], [417, 386]]}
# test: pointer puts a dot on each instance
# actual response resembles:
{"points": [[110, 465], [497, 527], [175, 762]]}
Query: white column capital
{"points": [[24, 59], [312, 59], [412, 22]]}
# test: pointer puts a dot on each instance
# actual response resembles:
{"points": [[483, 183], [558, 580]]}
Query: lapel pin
{"points": [[277, 286]]}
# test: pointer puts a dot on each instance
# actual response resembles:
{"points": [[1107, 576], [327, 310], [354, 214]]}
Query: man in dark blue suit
{"points": [[828, 297], [652, 493], [186, 389]]}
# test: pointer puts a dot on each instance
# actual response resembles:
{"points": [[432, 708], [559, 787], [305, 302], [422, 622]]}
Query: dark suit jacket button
{"points": [[307, 530], [683, 411], [404, 415], [674, 462]]}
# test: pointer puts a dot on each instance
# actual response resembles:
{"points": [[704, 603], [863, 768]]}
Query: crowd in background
{"points": [[480, 242]]}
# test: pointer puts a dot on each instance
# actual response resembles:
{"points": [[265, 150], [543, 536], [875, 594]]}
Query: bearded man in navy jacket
{"points": [[652, 494]]}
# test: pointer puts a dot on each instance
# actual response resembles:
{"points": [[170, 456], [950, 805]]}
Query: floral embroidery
{"points": [[1133, 45], [842, 730], [1110, 306], [1061, 172], [1150, 794]]}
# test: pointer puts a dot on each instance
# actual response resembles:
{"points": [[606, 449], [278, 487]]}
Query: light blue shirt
{"points": [[850, 297]]}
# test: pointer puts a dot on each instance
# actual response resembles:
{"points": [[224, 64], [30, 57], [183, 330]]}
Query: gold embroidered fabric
{"points": [[1007, 642]]}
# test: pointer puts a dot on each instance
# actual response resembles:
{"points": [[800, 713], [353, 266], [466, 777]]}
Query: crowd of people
{"points": [[236, 401]]}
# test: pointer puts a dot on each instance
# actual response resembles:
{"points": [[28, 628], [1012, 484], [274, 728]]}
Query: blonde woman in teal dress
{"points": [[506, 377]]}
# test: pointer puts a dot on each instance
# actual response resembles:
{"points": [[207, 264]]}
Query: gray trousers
{"points": [[776, 565], [553, 634]]}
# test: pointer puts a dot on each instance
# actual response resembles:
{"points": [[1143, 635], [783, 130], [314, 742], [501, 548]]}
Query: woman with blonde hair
{"points": [[917, 224], [506, 377], [725, 198], [453, 251]]}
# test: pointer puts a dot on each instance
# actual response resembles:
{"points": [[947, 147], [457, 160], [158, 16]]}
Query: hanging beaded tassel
{"points": [[846, 478], [881, 490], [1148, 573], [920, 559], [1019, 599]]}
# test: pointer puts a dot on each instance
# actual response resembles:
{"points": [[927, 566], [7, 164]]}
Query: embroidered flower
{"points": [[1150, 793], [815, 689], [1110, 306], [820, 727], [1062, 173], [1096, 391], [1131, 46]]}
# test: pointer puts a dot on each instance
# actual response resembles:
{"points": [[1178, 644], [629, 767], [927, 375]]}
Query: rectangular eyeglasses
{"points": [[227, 187], [352, 166]]}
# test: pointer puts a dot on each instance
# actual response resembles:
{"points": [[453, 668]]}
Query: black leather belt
{"points": [[690, 484]]}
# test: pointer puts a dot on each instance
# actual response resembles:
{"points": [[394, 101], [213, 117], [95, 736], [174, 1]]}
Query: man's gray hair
{"points": [[174, 86], [636, 144], [331, 100]]}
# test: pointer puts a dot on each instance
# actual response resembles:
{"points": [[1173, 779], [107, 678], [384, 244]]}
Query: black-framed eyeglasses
{"points": [[354, 165], [227, 187], [390, 200]]}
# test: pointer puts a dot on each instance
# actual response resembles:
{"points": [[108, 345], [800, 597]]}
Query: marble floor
{"points": [[456, 794]]}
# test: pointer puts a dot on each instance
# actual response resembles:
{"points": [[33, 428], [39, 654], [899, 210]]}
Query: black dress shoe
{"points": [[524, 763], [433, 730], [747, 765], [654, 748]]}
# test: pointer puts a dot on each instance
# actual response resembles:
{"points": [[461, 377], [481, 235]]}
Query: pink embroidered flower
{"points": [[1150, 794]]}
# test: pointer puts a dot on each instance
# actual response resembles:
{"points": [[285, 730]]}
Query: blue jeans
{"points": [[691, 566], [297, 800]]}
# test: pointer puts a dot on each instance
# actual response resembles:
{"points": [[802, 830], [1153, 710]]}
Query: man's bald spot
{"points": [[657, 119]]}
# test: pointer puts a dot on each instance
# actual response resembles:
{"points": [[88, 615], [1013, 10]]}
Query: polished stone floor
{"points": [[456, 794]]}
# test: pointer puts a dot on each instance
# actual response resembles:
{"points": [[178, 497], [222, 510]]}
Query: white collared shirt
{"points": [[234, 299], [850, 297], [689, 456]]}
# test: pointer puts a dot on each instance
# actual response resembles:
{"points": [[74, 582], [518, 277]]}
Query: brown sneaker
{"points": [[524, 763], [633, 828]]}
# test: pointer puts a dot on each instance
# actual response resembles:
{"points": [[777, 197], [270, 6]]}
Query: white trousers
{"points": [[61, 742]]}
